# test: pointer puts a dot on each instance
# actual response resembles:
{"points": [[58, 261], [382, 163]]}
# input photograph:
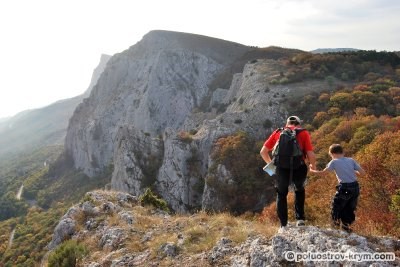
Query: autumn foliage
{"points": [[240, 155]]}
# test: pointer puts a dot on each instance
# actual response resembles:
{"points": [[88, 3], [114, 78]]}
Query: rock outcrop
{"points": [[119, 232]]}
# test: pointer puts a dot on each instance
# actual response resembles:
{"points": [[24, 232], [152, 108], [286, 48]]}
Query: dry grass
{"points": [[199, 239], [115, 220], [193, 234]]}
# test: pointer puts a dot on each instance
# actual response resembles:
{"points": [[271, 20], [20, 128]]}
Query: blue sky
{"points": [[50, 48]]}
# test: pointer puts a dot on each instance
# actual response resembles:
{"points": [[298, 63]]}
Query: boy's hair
{"points": [[336, 149]]}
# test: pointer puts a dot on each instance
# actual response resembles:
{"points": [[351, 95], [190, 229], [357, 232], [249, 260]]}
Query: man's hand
{"points": [[312, 167]]}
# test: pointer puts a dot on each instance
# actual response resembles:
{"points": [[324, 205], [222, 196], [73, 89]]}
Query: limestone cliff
{"points": [[153, 85], [159, 106]]}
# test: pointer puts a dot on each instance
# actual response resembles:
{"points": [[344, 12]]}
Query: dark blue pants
{"points": [[344, 202], [282, 188]]}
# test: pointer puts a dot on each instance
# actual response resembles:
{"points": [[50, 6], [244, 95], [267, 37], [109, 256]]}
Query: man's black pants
{"points": [[282, 188], [344, 202]]}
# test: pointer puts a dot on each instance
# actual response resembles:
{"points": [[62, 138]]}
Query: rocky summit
{"points": [[162, 104], [119, 231]]}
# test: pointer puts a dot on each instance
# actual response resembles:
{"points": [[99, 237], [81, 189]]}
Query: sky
{"points": [[49, 48]]}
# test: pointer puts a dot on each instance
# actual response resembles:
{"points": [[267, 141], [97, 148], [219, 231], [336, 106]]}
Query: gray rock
{"points": [[63, 231], [91, 224], [126, 216], [258, 251], [223, 247], [137, 259], [218, 97], [147, 236], [109, 207], [89, 209], [137, 158], [74, 210], [112, 238], [124, 198], [168, 249]]}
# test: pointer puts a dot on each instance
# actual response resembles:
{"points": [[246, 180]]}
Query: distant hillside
{"points": [[4, 119], [44, 126], [332, 50]]}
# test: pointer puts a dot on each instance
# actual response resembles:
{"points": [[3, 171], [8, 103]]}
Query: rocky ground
{"points": [[119, 231]]}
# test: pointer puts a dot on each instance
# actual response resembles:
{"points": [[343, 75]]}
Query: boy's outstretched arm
{"points": [[324, 171]]}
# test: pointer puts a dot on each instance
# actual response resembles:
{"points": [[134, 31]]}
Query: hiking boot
{"points": [[346, 227], [282, 229], [300, 223]]}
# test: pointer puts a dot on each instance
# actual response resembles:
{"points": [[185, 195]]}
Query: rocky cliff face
{"points": [[159, 106], [153, 85]]}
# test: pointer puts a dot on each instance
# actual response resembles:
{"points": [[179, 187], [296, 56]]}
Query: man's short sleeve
{"points": [[271, 141], [305, 141]]}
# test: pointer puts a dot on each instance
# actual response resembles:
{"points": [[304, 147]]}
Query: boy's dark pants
{"points": [[282, 188], [344, 202]]}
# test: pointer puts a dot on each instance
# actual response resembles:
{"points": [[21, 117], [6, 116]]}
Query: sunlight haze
{"points": [[50, 48]]}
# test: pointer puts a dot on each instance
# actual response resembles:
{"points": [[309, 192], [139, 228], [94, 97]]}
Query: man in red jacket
{"points": [[298, 175]]}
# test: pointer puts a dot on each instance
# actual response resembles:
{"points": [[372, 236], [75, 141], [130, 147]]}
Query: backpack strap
{"points": [[296, 131]]}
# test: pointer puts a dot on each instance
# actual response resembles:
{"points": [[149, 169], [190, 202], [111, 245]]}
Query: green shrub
{"points": [[67, 254], [149, 198]]}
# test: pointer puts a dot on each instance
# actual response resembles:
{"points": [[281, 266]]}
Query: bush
{"points": [[67, 254], [149, 198]]}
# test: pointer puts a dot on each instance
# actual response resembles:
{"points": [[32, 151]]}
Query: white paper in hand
{"points": [[270, 168]]}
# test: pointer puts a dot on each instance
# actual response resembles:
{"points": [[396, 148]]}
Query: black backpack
{"points": [[287, 153]]}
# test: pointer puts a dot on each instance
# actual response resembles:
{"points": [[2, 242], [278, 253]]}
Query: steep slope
{"points": [[44, 126]]}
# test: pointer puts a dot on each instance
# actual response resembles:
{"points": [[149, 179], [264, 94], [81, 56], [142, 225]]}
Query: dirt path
{"points": [[20, 192], [11, 239]]}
